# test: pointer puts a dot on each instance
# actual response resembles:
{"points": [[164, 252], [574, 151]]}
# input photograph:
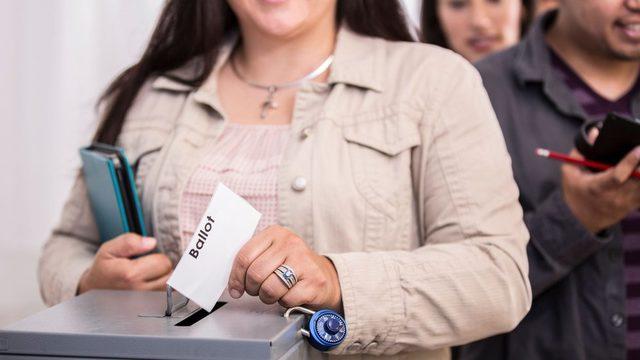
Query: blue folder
{"points": [[112, 191]]}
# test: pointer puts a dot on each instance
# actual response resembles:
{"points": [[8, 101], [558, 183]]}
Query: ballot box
{"points": [[107, 324]]}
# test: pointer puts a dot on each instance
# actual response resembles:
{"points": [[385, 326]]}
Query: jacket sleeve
{"points": [[70, 249], [559, 242], [469, 278]]}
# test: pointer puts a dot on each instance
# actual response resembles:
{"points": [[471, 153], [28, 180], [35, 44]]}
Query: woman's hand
{"points": [[113, 267], [317, 286]]}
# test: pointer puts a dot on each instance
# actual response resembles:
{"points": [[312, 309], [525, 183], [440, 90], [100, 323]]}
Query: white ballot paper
{"points": [[203, 271]]}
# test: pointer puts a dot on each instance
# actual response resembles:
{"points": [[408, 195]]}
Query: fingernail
{"points": [[148, 242], [235, 293], [636, 153]]}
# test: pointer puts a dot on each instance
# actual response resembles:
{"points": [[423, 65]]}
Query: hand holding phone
{"points": [[617, 137], [121, 263]]}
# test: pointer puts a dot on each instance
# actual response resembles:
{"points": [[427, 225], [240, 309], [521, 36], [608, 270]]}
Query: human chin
{"points": [[626, 52], [624, 44], [470, 54], [281, 23]]}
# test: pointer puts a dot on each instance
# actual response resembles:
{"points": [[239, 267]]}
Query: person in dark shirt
{"points": [[576, 64]]}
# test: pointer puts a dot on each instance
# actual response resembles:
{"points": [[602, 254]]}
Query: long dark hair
{"points": [[188, 29], [432, 32]]}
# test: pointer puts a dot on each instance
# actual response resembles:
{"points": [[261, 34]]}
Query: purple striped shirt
{"points": [[597, 107]]}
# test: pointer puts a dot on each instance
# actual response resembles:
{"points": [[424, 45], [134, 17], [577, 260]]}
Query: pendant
{"points": [[270, 103]]}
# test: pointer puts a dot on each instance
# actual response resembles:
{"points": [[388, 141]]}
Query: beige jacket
{"points": [[408, 190]]}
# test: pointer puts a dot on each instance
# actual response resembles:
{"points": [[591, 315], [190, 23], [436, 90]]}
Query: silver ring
{"points": [[286, 274]]}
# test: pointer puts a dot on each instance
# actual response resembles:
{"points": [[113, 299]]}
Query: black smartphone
{"points": [[618, 136]]}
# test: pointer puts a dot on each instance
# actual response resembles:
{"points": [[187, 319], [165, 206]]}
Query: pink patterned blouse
{"points": [[246, 159]]}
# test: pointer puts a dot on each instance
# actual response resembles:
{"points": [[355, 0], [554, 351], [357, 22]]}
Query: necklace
{"points": [[270, 103]]}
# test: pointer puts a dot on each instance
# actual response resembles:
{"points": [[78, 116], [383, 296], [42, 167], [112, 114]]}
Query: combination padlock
{"points": [[325, 329]]}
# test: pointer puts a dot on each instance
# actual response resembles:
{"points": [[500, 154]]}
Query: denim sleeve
{"points": [[559, 242]]}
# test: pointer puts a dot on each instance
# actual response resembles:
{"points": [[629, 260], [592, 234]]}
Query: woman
{"points": [[475, 28], [377, 163]]}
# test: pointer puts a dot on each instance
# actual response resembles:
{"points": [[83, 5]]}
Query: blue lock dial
{"points": [[326, 328]]}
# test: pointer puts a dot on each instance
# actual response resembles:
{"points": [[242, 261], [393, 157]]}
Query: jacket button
{"points": [[299, 184], [305, 133], [614, 255], [355, 346], [617, 320], [371, 346]]}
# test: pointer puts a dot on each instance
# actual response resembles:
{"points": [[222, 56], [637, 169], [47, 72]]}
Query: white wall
{"points": [[57, 56], [413, 8]]}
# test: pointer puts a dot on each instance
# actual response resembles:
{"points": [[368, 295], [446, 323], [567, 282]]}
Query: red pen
{"points": [[568, 159]]}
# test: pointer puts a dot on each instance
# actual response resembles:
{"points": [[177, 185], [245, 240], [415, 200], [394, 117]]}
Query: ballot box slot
{"points": [[199, 314]]}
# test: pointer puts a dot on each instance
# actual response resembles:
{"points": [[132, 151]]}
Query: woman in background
{"points": [[475, 28], [377, 163]]}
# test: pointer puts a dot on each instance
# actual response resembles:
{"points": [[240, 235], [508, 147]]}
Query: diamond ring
{"points": [[286, 274]]}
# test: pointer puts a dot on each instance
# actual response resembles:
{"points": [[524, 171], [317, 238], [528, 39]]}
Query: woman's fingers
{"points": [[272, 289], [317, 283], [156, 284], [245, 257], [262, 267], [150, 267], [128, 245], [301, 294]]}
